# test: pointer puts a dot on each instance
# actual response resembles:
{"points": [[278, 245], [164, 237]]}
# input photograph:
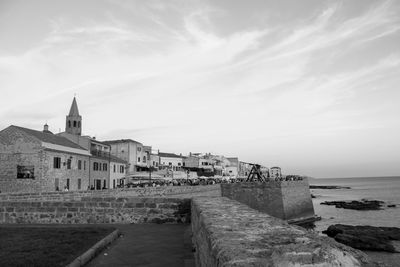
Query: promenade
{"points": [[149, 245]]}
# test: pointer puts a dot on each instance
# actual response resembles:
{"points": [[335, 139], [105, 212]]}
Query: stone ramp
{"points": [[149, 245]]}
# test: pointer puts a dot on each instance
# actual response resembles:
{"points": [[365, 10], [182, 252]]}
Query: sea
{"points": [[386, 189]]}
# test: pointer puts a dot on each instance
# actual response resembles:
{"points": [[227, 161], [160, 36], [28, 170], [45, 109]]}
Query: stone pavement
{"points": [[149, 245]]}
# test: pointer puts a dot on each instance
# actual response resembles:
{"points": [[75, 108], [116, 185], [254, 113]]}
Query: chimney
{"points": [[46, 129]]}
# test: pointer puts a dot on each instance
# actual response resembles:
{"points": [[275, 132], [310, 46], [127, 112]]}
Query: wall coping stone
{"points": [[228, 233]]}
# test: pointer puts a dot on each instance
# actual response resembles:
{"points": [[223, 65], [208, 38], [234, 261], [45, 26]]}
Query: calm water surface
{"points": [[386, 189], [378, 188]]}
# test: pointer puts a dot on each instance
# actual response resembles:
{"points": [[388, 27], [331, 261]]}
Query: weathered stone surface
{"points": [[365, 237], [356, 205], [287, 200], [122, 194], [132, 210], [228, 233]]}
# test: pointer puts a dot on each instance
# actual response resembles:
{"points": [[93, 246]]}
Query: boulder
{"points": [[365, 237]]}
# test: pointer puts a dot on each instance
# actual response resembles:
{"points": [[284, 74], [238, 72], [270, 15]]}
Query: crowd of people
{"points": [[199, 181]]}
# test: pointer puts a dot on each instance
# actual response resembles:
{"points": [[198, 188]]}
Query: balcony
{"points": [[100, 154]]}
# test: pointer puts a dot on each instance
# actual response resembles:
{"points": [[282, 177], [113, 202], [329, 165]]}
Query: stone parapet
{"points": [[97, 210], [287, 200], [163, 191], [228, 233]]}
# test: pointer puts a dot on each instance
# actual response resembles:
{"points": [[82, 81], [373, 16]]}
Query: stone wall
{"points": [[228, 233], [163, 191], [97, 210], [286, 200]]}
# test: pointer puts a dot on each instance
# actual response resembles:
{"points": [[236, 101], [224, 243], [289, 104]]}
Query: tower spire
{"points": [[73, 123], [73, 111]]}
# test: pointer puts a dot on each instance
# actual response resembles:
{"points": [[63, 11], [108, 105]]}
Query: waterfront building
{"points": [[117, 172], [275, 172], [170, 161], [35, 161], [232, 169], [154, 161], [134, 153]]}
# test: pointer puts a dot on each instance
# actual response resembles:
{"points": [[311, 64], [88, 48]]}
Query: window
{"points": [[69, 163], [104, 166], [79, 164], [57, 163], [170, 163], [68, 183], [79, 183], [144, 159], [179, 164], [69, 124], [115, 167], [84, 165], [121, 169], [138, 159], [74, 123], [95, 166], [79, 124], [139, 149], [25, 172]]}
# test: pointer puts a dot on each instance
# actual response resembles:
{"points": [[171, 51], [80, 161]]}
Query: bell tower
{"points": [[73, 123]]}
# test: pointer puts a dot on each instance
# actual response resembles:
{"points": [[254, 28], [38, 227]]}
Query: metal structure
{"points": [[255, 174]]}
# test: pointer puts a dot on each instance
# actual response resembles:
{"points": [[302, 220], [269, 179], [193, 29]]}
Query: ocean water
{"points": [[386, 189]]}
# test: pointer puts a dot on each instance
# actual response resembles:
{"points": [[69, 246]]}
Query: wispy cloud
{"points": [[173, 72]]}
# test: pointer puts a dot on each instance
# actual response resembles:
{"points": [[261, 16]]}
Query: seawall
{"points": [[162, 191], [97, 210], [287, 200], [228, 233]]}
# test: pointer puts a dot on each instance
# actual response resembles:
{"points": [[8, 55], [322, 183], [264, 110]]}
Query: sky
{"points": [[311, 86]]}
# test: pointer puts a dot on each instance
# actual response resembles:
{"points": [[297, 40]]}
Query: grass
{"points": [[48, 245]]}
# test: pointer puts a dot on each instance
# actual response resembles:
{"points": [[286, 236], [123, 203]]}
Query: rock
{"points": [[365, 237], [328, 187], [356, 205]]}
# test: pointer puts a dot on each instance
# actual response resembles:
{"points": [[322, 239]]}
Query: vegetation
{"points": [[47, 245]]}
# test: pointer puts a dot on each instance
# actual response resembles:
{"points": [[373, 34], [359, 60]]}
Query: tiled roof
{"points": [[169, 155], [120, 141], [49, 137]]}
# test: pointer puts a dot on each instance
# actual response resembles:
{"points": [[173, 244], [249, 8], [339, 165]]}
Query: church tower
{"points": [[73, 124]]}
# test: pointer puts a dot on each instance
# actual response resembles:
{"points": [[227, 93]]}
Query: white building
{"points": [[117, 172], [135, 153], [275, 172], [170, 161]]}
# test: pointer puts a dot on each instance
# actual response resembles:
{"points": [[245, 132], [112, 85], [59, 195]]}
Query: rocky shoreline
{"points": [[363, 204], [366, 237], [328, 187]]}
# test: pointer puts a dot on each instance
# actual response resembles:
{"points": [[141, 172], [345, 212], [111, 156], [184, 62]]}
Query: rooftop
{"points": [[48, 137], [121, 141], [169, 155]]}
